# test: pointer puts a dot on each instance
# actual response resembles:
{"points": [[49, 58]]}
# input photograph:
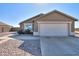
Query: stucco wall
{"points": [[35, 27], [22, 26], [4, 28]]}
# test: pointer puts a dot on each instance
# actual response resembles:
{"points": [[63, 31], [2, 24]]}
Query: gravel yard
{"points": [[18, 48], [13, 45], [10, 48]]}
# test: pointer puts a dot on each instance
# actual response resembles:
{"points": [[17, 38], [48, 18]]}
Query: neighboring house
{"points": [[4, 27], [15, 29], [54, 23]]}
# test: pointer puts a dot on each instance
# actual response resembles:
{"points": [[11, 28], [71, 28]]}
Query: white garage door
{"points": [[53, 29]]}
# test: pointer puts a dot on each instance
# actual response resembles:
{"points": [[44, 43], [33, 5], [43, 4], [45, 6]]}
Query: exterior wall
{"points": [[72, 26], [4, 28], [35, 29], [54, 17], [35, 33], [35, 26], [32, 26], [22, 26]]}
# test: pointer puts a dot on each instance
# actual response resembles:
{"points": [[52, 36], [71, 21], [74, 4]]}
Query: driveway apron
{"points": [[59, 46]]}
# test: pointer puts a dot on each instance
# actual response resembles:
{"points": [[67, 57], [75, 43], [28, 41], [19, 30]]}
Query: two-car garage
{"points": [[53, 28]]}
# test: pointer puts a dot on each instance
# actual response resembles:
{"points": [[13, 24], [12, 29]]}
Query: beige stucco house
{"points": [[4, 27], [54, 23]]}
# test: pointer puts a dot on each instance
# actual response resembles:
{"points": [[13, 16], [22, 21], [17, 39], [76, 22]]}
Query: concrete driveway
{"points": [[59, 46]]}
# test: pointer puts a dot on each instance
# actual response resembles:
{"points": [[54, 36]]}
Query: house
{"points": [[4, 27], [54, 23]]}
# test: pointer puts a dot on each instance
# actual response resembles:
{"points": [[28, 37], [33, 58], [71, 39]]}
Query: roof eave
{"points": [[32, 17], [66, 15]]}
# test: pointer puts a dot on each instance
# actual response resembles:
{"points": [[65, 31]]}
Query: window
{"points": [[28, 26]]}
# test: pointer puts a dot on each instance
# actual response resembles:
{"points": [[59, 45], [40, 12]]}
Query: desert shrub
{"points": [[20, 32], [28, 31], [24, 31]]}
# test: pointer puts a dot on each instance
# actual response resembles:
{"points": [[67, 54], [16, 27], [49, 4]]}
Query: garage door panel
{"points": [[53, 29]]}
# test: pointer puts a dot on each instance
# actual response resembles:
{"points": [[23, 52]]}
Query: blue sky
{"points": [[14, 13]]}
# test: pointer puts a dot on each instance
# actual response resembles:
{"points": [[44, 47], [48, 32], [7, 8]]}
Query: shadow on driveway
{"points": [[31, 46]]}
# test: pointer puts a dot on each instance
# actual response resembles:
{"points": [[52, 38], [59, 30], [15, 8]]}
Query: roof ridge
{"points": [[49, 13], [2, 23]]}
